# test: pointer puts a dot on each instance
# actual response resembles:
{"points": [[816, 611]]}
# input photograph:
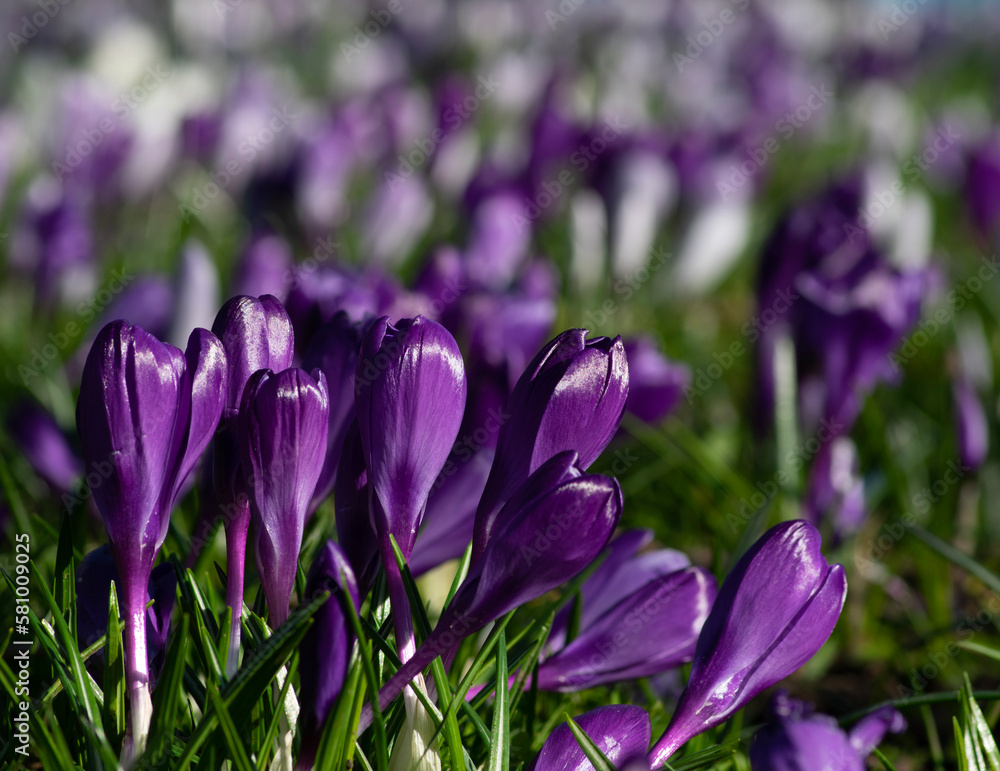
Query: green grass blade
{"points": [[237, 752], [500, 745], [592, 751], [114, 675]]}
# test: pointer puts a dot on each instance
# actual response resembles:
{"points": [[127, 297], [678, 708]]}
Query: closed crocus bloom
{"points": [[656, 384], [620, 731], [971, 429], [282, 441], [983, 186], [550, 530], [410, 394], [638, 617], [774, 611], [256, 334], [798, 740], [146, 413], [570, 397], [333, 349], [325, 650]]}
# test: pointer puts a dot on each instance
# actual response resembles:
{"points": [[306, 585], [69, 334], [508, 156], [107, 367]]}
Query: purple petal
{"points": [[334, 350], [325, 650], [649, 631], [972, 428], [620, 731], [283, 428], [869, 731], [774, 611], [570, 397], [410, 397], [656, 384]]}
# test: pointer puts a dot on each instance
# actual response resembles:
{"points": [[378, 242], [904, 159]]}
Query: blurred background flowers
{"points": [[788, 209]]}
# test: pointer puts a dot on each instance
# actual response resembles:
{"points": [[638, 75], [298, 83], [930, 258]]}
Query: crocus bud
{"points": [[334, 350], [773, 612], [410, 394], [972, 430], [570, 397], [282, 439], [638, 617], [620, 731], [798, 740], [256, 334], [325, 651], [552, 531], [145, 414], [656, 384]]}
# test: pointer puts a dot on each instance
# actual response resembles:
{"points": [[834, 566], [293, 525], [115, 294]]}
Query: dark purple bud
{"points": [[355, 531], [656, 384], [570, 397], [410, 395], [45, 446], [798, 740], [256, 334], [774, 611], [550, 530], [549, 535], [971, 428], [325, 651], [621, 732], [145, 414], [282, 438], [334, 350], [93, 586]]}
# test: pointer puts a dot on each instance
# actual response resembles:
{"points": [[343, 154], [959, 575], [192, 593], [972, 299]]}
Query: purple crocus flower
{"points": [[45, 446], [410, 396], [265, 267], [93, 587], [796, 739], [570, 397], [773, 612], [640, 615], [550, 530], [256, 334], [971, 428], [620, 731], [325, 651], [656, 384], [282, 441], [146, 412], [334, 349]]}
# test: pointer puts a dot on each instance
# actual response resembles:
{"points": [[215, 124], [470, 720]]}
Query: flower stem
{"points": [[136, 669], [236, 547]]}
